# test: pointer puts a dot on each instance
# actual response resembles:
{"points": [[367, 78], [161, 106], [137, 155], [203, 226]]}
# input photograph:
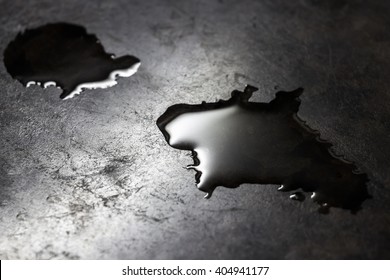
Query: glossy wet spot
{"points": [[237, 141], [66, 56]]}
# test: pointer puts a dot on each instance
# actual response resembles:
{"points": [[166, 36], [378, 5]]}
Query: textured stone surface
{"points": [[93, 178]]}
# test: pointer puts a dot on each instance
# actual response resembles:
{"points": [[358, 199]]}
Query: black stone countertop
{"points": [[93, 178]]}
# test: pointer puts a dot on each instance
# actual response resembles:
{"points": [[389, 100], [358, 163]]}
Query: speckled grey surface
{"points": [[93, 178]]}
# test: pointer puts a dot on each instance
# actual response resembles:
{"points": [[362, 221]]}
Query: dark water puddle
{"points": [[237, 141], [64, 55]]}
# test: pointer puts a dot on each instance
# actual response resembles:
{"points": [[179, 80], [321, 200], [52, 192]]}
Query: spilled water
{"points": [[237, 141], [64, 55]]}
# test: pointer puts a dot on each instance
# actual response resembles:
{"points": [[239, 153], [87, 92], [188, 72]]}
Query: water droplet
{"points": [[237, 141], [299, 196], [53, 199], [21, 216], [66, 56], [324, 208]]}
